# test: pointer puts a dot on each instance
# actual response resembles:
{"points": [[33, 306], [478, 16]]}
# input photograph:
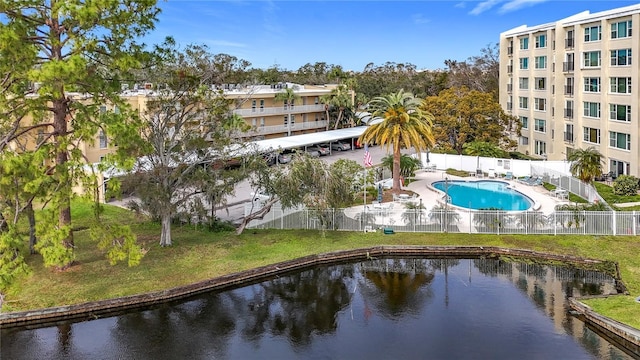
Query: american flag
{"points": [[367, 156]]}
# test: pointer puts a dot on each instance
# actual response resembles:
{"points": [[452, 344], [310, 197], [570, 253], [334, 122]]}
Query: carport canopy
{"points": [[298, 141]]}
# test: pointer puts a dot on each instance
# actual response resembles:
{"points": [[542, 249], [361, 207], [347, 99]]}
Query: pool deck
{"points": [[544, 200]]}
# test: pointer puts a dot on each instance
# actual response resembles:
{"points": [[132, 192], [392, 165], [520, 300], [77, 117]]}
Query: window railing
{"points": [[509, 69], [568, 137], [568, 89], [509, 87], [567, 66], [568, 113], [279, 110], [569, 43], [509, 106], [510, 50], [275, 129]]}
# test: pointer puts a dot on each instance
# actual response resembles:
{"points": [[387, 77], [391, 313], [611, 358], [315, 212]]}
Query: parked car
{"points": [[284, 158], [313, 152], [322, 150], [340, 146], [269, 158]]}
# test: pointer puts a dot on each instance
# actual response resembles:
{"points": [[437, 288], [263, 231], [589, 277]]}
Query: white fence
{"points": [[517, 168], [480, 221]]}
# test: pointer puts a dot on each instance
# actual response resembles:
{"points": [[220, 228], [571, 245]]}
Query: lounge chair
{"points": [[525, 180], [508, 175]]}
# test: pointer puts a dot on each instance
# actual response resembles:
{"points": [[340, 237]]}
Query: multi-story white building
{"points": [[574, 84]]}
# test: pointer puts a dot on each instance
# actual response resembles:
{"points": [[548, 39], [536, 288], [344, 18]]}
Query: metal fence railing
{"points": [[454, 220], [566, 182]]}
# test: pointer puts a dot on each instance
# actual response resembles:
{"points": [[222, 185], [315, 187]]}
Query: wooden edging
{"points": [[105, 308]]}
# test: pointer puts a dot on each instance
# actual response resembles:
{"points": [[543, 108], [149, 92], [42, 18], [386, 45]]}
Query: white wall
{"points": [[501, 166]]}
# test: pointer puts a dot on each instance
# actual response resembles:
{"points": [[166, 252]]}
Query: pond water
{"points": [[378, 309]]}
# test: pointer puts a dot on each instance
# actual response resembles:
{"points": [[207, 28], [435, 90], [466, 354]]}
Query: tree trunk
{"points": [[255, 215], [62, 173], [326, 110], [396, 171], [32, 228], [165, 236]]}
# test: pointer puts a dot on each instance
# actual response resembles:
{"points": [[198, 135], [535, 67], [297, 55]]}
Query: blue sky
{"points": [[355, 33]]}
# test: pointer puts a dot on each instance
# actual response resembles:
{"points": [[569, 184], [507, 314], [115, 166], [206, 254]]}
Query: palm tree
{"points": [[408, 165], [288, 96], [586, 164], [405, 125], [339, 98]]}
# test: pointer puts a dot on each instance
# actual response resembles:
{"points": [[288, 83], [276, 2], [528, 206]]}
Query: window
{"points": [[316, 100], [540, 125], [568, 132], [620, 112], [524, 140], [592, 109], [523, 102], [254, 122], [524, 121], [621, 57], [261, 122], [541, 41], [103, 139], [621, 85], [541, 83], [568, 109], [619, 140], [253, 105], [541, 62], [593, 33], [524, 63], [591, 58], [116, 109], [524, 43], [541, 148], [621, 29], [591, 135], [592, 84], [286, 121], [568, 86], [523, 83], [539, 104], [261, 104]]}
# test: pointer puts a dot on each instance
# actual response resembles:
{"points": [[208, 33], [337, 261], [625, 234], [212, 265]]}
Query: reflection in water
{"points": [[385, 308]]}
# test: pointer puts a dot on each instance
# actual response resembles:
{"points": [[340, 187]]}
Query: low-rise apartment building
{"points": [[574, 84]]}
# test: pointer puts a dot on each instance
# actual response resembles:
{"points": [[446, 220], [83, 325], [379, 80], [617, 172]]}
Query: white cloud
{"points": [[461, 5], [484, 6], [514, 5], [419, 19]]}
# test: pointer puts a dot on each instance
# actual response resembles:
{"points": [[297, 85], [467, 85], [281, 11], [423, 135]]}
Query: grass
{"points": [[607, 194], [198, 254]]}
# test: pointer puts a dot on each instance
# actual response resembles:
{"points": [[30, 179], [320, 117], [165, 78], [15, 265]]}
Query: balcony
{"points": [[279, 110], [276, 129], [568, 113], [567, 66], [569, 43], [568, 89], [510, 69]]}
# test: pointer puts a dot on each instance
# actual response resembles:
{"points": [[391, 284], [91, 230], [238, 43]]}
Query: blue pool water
{"points": [[484, 194]]}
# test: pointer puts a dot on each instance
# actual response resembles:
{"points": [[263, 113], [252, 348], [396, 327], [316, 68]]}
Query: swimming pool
{"points": [[484, 194]]}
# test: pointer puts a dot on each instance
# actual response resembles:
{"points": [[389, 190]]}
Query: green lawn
{"points": [[198, 254]]}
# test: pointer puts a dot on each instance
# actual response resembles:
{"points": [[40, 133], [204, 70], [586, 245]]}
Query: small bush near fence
{"points": [[625, 185]]}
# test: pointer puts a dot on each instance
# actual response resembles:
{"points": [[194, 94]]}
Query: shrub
{"points": [[625, 185]]}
